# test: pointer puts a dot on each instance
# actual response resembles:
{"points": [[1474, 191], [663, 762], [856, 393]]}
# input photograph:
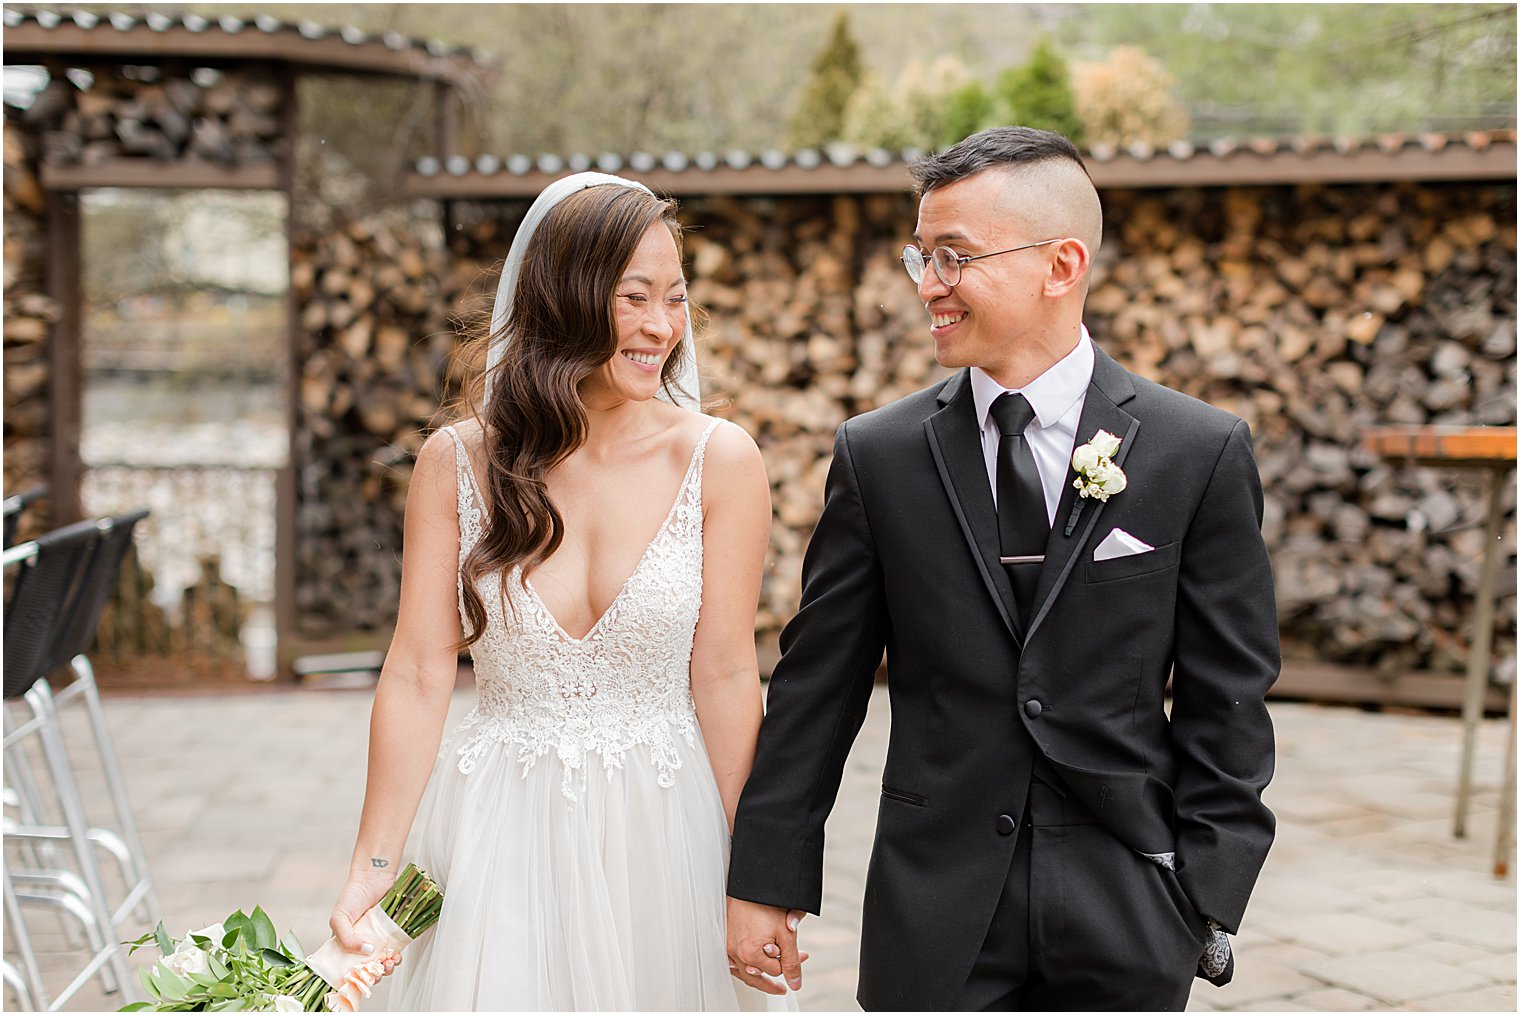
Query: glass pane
{"points": [[185, 358]]}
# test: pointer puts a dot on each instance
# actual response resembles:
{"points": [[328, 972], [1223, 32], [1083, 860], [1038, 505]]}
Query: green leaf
{"points": [[275, 958], [238, 922], [170, 987], [165, 944], [218, 967], [222, 990], [293, 946], [264, 934], [145, 974], [136, 1006], [232, 1004]]}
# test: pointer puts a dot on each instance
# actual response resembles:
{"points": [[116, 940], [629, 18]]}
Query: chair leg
{"points": [[114, 975], [30, 806], [84, 674], [30, 991]]}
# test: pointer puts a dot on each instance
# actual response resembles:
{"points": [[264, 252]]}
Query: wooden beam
{"points": [[65, 380], [285, 576], [188, 174], [1353, 686], [31, 42], [1237, 169]]}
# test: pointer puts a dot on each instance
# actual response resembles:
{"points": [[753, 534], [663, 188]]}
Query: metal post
{"points": [[1479, 655]]}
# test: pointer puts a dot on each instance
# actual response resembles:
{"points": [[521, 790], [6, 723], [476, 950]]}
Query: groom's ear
{"points": [[1068, 268]]}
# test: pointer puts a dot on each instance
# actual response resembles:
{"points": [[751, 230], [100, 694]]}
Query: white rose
{"points": [[215, 932], [187, 958], [1105, 444], [284, 1002], [1085, 458], [1111, 478]]}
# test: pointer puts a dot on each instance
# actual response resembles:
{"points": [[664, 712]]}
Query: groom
{"points": [[1051, 834]]}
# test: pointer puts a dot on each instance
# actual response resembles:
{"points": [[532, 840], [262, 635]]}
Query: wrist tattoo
{"points": [[376, 861]]}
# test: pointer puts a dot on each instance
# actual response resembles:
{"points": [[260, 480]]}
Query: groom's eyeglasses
{"points": [[947, 263]]}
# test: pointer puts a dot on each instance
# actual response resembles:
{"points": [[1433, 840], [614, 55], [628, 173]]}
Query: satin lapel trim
{"points": [[957, 448], [1110, 384]]}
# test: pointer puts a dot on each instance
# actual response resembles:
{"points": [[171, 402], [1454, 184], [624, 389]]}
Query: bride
{"points": [[597, 543]]}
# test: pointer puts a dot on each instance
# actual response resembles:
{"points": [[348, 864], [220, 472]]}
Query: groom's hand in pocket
{"points": [[762, 941]]}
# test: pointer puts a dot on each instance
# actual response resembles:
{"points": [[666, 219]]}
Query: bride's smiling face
{"points": [[649, 310]]}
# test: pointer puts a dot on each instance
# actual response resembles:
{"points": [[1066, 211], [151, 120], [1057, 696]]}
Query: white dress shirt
{"points": [[1057, 397]]}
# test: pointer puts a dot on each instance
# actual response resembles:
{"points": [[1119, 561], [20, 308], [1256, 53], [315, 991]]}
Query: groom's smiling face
{"points": [[974, 322]]}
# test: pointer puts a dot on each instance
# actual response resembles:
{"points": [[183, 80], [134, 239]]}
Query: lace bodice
{"points": [[625, 685]]}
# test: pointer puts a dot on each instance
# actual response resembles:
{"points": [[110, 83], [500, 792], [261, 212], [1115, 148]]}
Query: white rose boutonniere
{"points": [[1097, 475]]}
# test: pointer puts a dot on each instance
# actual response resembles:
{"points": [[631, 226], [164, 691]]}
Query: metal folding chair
{"points": [[13, 506], [51, 593]]}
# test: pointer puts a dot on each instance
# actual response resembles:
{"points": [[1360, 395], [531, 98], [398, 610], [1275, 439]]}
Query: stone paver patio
{"points": [[1366, 903]]}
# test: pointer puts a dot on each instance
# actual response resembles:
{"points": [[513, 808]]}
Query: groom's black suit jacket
{"points": [[905, 558]]}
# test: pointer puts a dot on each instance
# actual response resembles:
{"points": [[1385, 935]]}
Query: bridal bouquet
{"points": [[241, 964]]}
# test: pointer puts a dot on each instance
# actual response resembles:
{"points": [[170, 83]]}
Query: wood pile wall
{"points": [[29, 314], [163, 112], [1312, 312]]}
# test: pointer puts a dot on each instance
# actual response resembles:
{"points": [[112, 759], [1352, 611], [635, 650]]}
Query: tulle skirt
{"points": [[614, 901]]}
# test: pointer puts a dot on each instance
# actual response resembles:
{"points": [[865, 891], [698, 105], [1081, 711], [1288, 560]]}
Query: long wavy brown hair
{"points": [[563, 328]]}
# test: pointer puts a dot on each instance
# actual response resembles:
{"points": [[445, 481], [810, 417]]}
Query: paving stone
{"points": [[1484, 928], [1257, 981], [1340, 933], [1496, 997], [1393, 979], [1501, 968], [1335, 999], [1450, 952], [1417, 910]]}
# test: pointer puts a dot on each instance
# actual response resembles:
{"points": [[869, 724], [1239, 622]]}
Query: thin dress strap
{"points": [[471, 503], [698, 458]]}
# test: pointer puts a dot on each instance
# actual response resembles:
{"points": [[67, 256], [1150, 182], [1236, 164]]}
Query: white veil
{"points": [[688, 393]]}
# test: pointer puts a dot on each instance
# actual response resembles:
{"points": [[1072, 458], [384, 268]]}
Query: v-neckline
{"points": [[527, 583]]}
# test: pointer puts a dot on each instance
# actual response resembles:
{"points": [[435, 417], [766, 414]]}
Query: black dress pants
{"points": [[1084, 922]]}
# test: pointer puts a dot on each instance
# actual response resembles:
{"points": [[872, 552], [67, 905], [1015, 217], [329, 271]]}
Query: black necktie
{"points": [[1023, 526]]}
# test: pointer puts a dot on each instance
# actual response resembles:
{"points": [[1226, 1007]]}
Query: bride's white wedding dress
{"points": [[572, 817]]}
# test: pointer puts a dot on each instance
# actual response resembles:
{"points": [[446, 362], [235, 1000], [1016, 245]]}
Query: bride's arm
{"points": [[412, 700], [725, 679]]}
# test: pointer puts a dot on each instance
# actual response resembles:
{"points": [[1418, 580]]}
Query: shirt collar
{"points": [[1051, 394]]}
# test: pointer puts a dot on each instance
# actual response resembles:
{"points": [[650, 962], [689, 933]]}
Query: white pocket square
{"points": [[1119, 543]]}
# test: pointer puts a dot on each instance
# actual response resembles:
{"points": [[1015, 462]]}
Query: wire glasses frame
{"points": [[947, 263]]}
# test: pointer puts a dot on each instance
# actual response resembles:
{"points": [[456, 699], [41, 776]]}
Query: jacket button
{"points": [[1033, 708], [1006, 825]]}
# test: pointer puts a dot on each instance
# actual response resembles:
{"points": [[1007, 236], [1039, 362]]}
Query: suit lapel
{"points": [[956, 442], [1110, 388]]}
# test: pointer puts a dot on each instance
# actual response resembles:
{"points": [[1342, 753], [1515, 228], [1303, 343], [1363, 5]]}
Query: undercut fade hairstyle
{"points": [[990, 149]]}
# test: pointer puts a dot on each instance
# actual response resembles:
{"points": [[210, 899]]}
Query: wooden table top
{"points": [[1490, 446]]}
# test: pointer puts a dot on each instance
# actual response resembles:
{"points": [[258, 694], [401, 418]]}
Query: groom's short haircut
{"points": [[1006, 147], [1046, 165]]}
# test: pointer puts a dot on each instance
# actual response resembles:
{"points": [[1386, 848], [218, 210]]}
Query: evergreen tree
{"points": [[819, 115], [969, 109], [1038, 93]]}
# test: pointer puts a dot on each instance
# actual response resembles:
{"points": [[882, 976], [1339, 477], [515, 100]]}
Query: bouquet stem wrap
{"points": [[350, 973]]}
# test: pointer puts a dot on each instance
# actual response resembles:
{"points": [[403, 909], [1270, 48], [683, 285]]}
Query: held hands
{"points": [[763, 940]]}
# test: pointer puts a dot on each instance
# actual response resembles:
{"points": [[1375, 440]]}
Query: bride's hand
{"points": [[359, 895]]}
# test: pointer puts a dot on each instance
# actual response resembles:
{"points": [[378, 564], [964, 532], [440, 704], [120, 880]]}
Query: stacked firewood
{"points": [[229, 117], [29, 314], [1312, 312], [375, 347]]}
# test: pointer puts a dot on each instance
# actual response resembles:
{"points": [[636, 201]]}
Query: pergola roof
{"points": [[38, 35], [840, 168]]}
